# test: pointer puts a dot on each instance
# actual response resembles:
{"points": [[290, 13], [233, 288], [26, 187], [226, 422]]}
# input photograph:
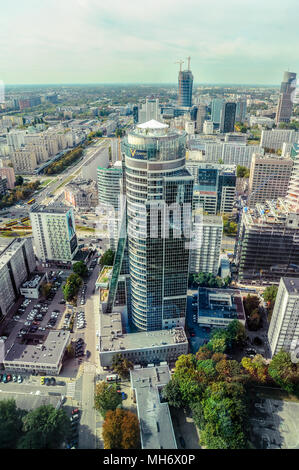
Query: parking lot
{"points": [[274, 424]]}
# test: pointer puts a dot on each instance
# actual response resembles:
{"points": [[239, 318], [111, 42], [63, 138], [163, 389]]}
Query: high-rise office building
{"points": [[293, 189], [214, 186], [241, 110], [286, 97], [185, 87], [17, 262], [216, 107], [53, 229], [268, 242], [149, 110], [269, 178], [109, 187], [283, 331], [201, 117], [228, 117], [204, 258], [158, 192]]}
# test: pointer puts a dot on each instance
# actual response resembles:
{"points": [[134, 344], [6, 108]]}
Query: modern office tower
{"points": [[201, 117], [286, 97], [17, 261], [109, 184], [283, 331], [293, 189], [275, 138], [241, 110], [204, 258], [158, 192], [185, 88], [135, 114], [149, 110], [214, 186], [268, 242], [269, 178], [216, 107], [228, 117], [53, 229]]}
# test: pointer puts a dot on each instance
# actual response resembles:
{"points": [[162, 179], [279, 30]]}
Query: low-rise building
{"points": [[31, 288], [81, 194], [43, 358], [156, 429], [219, 307], [143, 347]]}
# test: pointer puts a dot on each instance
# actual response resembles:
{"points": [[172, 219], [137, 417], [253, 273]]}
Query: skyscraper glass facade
{"points": [[156, 178], [185, 88]]}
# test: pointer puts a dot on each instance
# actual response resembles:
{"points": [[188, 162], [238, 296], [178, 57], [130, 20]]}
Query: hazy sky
{"points": [[102, 41]]}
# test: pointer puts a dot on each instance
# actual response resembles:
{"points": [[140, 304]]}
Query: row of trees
{"points": [[270, 296], [208, 280], [42, 428], [71, 287], [216, 389], [63, 162], [19, 193], [107, 258], [120, 427]]}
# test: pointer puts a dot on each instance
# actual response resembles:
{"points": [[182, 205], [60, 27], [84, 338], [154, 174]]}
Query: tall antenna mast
{"points": [[188, 58], [180, 62]]}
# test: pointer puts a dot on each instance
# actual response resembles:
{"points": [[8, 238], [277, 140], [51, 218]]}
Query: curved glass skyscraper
{"points": [[159, 199]]}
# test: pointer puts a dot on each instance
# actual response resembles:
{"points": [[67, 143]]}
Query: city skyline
{"points": [[86, 41]]}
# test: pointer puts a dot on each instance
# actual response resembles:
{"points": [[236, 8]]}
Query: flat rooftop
{"points": [[9, 250], [113, 338], [33, 281], [291, 284], [220, 303], [156, 428], [47, 353], [51, 209]]}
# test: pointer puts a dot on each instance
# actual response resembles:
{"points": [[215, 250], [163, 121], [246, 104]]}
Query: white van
{"points": [[112, 378]]}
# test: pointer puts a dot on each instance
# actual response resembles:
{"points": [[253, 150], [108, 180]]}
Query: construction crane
{"points": [[180, 62]]}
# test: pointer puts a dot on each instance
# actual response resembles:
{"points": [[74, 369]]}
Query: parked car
{"points": [[20, 379]]}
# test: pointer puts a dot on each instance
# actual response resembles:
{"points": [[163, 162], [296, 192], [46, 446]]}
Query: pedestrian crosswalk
{"points": [[70, 389]]}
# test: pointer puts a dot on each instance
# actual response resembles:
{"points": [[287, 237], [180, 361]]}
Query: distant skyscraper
{"points": [[228, 117], [185, 87], [156, 178], [287, 92], [216, 108], [201, 117], [149, 110], [241, 110]]}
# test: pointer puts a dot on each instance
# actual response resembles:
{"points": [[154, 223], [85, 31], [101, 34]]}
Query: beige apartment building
{"points": [[269, 178]]}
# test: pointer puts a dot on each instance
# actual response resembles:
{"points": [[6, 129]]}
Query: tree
{"points": [[10, 424], [107, 258], [71, 287], [121, 430], [106, 398], [19, 180], [284, 372], [80, 268], [172, 393], [270, 293], [45, 428], [242, 171], [121, 366]]}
